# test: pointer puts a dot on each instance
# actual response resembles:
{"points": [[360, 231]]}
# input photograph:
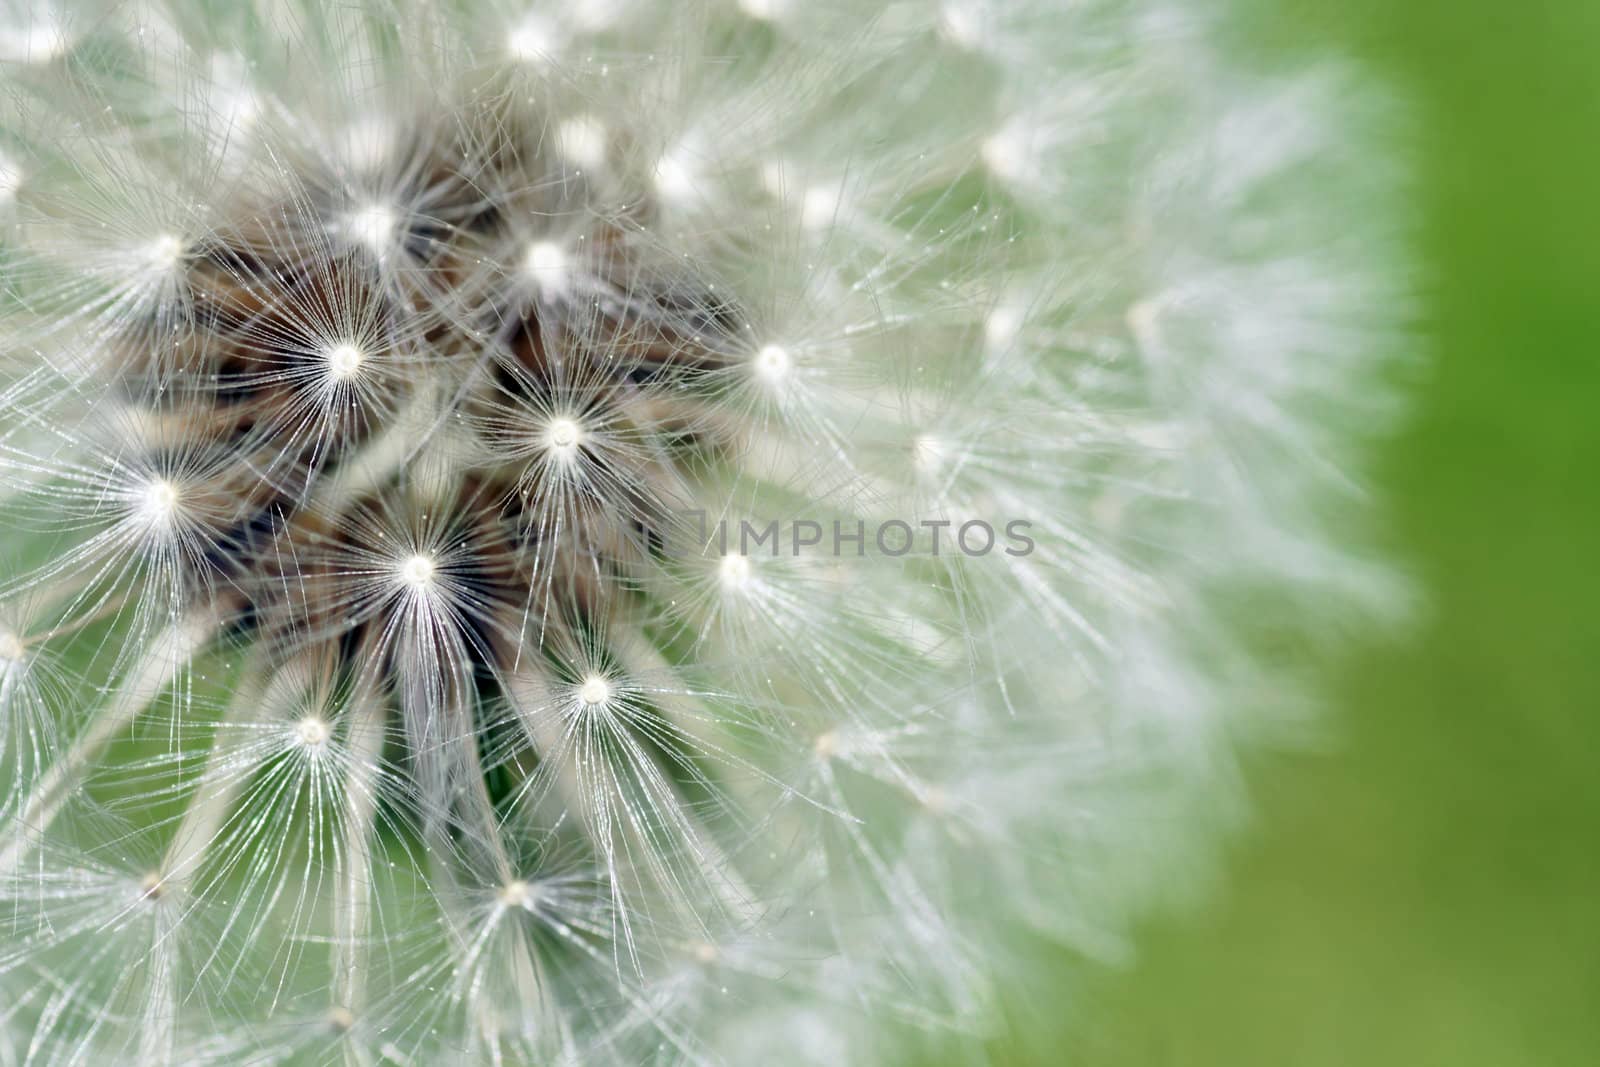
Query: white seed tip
{"points": [[705, 952], [344, 361], [158, 501], [233, 106], [372, 225], [594, 690], [775, 178], [312, 731], [11, 648], [596, 14], [962, 24], [820, 206], [583, 141], [162, 254], [368, 143], [39, 40], [1001, 327], [417, 571], [675, 176], [10, 180], [929, 453], [1008, 152], [563, 434], [516, 894], [826, 746], [734, 571], [546, 264], [773, 363], [533, 40], [764, 10]]}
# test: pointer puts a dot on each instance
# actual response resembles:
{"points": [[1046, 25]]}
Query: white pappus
{"points": [[380, 384]]}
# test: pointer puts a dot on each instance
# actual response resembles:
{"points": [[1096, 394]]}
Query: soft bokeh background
{"points": [[1426, 890]]}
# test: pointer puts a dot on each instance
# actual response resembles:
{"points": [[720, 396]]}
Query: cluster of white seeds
{"points": [[380, 383]]}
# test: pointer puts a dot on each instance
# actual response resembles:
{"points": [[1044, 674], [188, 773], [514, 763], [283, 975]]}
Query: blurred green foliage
{"points": [[1427, 889]]}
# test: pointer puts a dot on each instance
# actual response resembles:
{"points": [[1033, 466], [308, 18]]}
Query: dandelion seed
{"points": [[369, 692]]}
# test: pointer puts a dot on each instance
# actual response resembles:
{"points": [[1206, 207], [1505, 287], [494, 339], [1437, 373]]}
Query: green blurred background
{"points": [[1427, 889]]}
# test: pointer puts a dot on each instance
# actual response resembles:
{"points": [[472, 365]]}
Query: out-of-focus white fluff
{"points": [[349, 732]]}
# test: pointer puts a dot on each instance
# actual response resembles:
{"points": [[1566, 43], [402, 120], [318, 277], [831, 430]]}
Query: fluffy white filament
{"points": [[632, 532]]}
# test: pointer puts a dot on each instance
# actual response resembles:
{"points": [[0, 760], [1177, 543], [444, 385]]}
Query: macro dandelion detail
{"points": [[622, 532]]}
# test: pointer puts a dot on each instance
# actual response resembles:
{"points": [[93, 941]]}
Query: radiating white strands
{"points": [[629, 532]]}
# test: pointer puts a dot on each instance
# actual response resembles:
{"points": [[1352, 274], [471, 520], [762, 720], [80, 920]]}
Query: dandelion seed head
{"points": [[366, 368]]}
